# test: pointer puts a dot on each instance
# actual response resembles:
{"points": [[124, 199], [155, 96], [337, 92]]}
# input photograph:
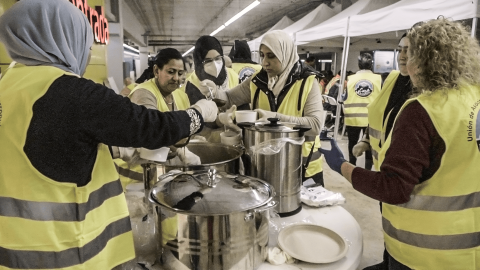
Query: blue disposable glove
{"points": [[334, 157]]}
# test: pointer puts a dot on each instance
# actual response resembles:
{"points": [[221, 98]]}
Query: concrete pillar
{"points": [[143, 59], [115, 55]]}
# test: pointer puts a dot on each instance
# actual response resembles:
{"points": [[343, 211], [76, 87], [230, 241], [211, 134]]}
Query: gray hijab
{"points": [[47, 33]]}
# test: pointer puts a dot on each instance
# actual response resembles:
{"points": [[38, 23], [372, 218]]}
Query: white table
{"points": [[337, 219]]}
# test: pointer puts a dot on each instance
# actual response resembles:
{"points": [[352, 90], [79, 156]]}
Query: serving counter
{"points": [[337, 219]]}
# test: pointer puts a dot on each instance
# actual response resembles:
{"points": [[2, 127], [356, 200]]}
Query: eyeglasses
{"points": [[210, 60]]}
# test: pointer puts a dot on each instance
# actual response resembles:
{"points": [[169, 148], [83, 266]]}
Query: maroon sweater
{"points": [[413, 157]]}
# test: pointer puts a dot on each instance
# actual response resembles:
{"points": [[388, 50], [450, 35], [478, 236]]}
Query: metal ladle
{"points": [[218, 102]]}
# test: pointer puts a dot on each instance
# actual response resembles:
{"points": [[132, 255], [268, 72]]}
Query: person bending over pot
{"points": [[286, 89], [62, 204]]}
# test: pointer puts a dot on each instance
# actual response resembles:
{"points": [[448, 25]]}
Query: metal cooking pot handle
{"points": [[163, 176], [267, 206]]}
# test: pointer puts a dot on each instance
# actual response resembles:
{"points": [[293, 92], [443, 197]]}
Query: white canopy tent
{"points": [[315, 17], [385, 23], [284, 22], [334, 28]]}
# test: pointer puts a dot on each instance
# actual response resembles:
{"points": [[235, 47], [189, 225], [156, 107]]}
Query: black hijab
{"points": [[240, 52], [203, 45]]}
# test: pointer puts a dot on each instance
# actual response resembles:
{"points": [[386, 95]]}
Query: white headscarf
{"points": [[47, 32], [282, 45]]}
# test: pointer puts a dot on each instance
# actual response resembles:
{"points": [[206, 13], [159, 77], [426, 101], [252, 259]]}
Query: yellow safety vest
{"points": [[46, 224], [131, 174], [131, 86], [245, 70], [439, 227], [362, 89], [289, 107], [193, 79], [376, 126]]}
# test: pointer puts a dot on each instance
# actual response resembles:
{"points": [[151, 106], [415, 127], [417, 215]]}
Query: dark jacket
{"points": [[299, 71]]}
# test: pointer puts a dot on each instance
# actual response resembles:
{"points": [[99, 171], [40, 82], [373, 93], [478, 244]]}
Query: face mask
{"points": [[214, 68]]}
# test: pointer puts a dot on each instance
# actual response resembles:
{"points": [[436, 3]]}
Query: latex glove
{"points": [[207, 108], [131, 155], [226, 118], [263, 115], [360, 147], [203, 87], [187, 157], [334, 156]]}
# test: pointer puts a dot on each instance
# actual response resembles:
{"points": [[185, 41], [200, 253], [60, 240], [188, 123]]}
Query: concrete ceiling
{"points": [[179, 23]]}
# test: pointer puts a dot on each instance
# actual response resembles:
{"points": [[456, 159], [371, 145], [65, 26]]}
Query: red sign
{"points": [[97, 20]]}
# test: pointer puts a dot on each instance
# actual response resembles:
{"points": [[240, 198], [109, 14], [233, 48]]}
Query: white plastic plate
{"points": [[312, 243]]}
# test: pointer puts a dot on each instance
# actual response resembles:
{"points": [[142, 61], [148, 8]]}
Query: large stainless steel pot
{"points": [[224, 158], [209, 221], [272, 153]]}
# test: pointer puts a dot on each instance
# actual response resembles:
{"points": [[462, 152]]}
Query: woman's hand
{"points": [[226, 118], [263, 115]]}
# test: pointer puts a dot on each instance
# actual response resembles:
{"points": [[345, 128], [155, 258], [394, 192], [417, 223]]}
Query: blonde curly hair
{"points": [[445, 54]]}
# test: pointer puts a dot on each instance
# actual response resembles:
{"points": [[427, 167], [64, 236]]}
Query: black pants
{"points": [[317, 178], [353, 134]]}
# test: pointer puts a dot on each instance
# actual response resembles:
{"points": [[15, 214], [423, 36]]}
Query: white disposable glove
{"points": [[226, 118], [187, 157], [360, 147], [204, 88], [207, 108], [131, 155], [263, 115]]}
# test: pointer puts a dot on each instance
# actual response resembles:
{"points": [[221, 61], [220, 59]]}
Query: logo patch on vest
{"points": [[363, 88], [245, 73]]}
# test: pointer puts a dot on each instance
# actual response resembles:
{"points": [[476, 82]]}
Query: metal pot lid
{"points": [[274, 125], [197, 193]]}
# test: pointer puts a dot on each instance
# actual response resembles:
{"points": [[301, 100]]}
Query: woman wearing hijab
{"points": [[209, 70], [428, 178], [62, 205], [284, 89], [209, 65]]}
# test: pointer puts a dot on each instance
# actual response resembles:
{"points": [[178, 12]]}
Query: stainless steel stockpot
{"points": [[212, 221], [270, 155], [216, 156]]}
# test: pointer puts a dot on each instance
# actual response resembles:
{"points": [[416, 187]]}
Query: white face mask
{"points": [[214, 68]]}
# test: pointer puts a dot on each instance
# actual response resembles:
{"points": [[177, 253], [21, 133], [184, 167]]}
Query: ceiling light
{"points": [[130, 48], [218, 30], [241, 13], [187, 52]]}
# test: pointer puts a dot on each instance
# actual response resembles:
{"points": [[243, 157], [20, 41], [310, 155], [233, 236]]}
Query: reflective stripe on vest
{"points": [[438, 228], [362, 89], [46, 224], [30, 259], [52, 211], [289, 107], [376, 111]]}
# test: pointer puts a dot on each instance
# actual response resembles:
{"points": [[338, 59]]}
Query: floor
{"points": [[364, 209]]}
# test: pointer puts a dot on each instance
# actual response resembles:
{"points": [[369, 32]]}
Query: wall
{"points": [[96, 70]]}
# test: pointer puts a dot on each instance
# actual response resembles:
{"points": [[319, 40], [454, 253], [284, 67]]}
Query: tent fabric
{"points": [[337, 25], [402, 15], [315, 17], [284, 22], [386, 21]]}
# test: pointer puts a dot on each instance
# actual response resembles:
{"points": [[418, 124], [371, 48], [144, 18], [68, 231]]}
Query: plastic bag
{"points": [[318, 196], [273, 146]]}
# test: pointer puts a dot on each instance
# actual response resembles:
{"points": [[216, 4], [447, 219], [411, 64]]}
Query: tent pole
{"points": [[474, 26], [346, 48]]}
